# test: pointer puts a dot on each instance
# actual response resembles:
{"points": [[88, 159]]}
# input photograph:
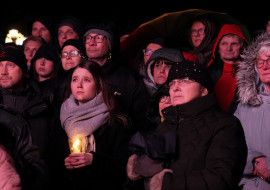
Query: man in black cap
{"points": [[22, 96], [210, 150]]}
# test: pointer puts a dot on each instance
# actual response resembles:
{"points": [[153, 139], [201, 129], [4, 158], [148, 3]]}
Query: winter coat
{"points": [[43, 119], [10, 179], [223, 74], [15, 136], [108, 169], [211, 151], [253, 112], [129, 90]]}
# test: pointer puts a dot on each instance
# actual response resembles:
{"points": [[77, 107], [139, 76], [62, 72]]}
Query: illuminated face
{"points": [[185, 90], [30, 49], [11, 74], [96, 50], [70, 61], [44, 68], [197, 33], [229, 48], [83, 86], [38, 29], [160, 72], [65, 33], [150, 48]]}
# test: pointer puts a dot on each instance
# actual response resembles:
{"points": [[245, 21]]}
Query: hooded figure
{"points": [[223, 73], [253, 111], [168, 54]]}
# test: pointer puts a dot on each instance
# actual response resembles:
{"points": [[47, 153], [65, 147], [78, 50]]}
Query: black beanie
{"points": [[73, 23], [191, 70], [73, 42], [14, 55], [47, 51]]}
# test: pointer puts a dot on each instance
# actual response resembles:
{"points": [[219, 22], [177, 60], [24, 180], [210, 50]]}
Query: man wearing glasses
{"points": [[102, 46]]}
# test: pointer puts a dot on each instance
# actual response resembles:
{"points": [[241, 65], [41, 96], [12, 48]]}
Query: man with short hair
{"points": [[229, 45], [102, 46]]}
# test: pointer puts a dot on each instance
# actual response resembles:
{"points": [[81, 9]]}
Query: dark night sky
{"points": [[128, 15]]}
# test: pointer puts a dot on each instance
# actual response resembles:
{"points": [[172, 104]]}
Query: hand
{"points": [[261, 168], [78, 160]]}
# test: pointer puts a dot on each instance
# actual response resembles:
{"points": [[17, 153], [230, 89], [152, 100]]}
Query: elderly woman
{"points": [[253, 111]]}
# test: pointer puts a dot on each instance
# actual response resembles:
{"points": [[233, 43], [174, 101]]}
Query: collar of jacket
{"points": [[190, 109]]}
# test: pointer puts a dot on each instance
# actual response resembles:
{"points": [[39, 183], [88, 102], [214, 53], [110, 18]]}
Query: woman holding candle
{"points": [[89, 117]]}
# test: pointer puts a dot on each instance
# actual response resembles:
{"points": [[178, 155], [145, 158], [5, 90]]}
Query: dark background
{"points": [[127, 14]]}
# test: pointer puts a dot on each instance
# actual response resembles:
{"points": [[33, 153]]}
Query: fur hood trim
{"points": [[247, 76]]}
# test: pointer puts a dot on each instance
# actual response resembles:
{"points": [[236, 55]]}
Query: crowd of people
{"points": [[76, 113]]}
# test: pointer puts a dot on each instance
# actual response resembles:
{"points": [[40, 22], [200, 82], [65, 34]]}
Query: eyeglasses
{"points": [[260, 62], [97, 38], [180, 82], [201, 31], [164, 99], [147, 52], [73, 53]]}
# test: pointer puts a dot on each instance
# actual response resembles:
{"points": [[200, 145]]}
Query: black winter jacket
{"points": [[211, 151]]}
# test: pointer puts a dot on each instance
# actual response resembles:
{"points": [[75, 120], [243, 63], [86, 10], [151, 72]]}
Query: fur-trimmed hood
{"points": [[248, 81]]}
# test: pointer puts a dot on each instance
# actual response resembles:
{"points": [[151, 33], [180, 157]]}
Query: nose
{"points": [[4, 70], [79, 84]]}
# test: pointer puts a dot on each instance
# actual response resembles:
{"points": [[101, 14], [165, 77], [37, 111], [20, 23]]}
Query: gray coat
{"points": [[254, 113]]}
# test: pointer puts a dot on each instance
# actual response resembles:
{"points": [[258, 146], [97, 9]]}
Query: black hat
{"points": [[73, 23], [73, 42], [191, 70], [14, 55], [47, 51]]}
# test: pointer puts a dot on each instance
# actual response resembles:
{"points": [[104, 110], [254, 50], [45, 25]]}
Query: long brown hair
{"points": [[96, 70]]}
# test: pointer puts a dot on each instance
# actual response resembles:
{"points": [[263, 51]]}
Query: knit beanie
{"points": [[105, 28], [73, 42], [47, 51], [14, 55], [191, 70], [73, 23]]}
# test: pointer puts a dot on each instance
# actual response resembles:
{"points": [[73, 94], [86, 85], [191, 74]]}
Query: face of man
{"points": [[97, 47], [11, 74], [38, 29], [230, 48], [150, 48], [185, 90], [65, 33], [30, 49]]}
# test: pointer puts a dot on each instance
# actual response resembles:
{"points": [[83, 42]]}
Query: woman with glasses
{"points": [[197, 146], [71, 54], [201, 36], [254, 111]]}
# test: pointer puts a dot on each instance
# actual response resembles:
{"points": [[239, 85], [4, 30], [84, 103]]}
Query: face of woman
{"points": [[44, 68], [69, 58], [197, 33], [83, 86]]}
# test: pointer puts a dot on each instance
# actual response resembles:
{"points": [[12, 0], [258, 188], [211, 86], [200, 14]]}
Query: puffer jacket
{"points": [[253, 112], [211, 151]]}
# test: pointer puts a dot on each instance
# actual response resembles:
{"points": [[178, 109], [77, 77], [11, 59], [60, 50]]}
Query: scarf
{"points": [[81, 121]]}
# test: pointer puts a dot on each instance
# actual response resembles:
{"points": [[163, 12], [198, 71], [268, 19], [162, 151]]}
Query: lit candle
{"points": [[75, 145]]}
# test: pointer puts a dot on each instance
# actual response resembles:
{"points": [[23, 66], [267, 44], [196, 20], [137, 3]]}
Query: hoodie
{"points": [[223, 74]]}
